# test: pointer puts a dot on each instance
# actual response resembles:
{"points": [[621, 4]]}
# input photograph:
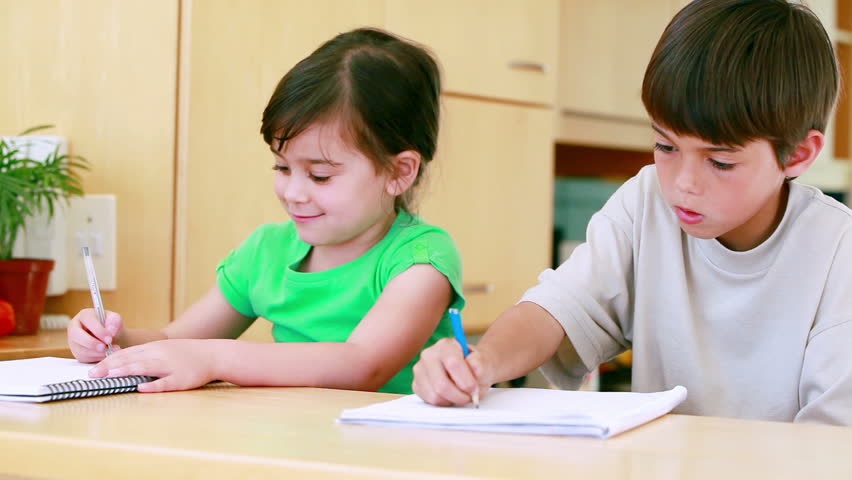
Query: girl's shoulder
{"points": [[274, 238], [410, 228]]}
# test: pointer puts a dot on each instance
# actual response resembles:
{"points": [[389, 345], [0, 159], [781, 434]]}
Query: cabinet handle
{"points": [[529, 66], [478, 288]]}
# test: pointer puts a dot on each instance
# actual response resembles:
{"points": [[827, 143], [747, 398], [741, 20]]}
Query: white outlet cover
{"points": [[91, 223]]}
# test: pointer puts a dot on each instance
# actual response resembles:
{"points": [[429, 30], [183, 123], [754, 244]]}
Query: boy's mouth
{"points": [[687, 216]]}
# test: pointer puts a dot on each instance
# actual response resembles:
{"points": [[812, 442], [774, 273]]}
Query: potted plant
{"points": [[29, 187]]}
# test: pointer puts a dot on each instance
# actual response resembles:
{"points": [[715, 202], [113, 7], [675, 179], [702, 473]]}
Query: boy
{"points": [[719, 271]]}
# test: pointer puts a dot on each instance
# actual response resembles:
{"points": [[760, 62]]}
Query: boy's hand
{"points": [[180, 364], [443, 376], [88, 339]]}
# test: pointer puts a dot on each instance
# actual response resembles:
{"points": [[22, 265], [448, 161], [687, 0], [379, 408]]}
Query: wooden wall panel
{"points": [[104, 72]]}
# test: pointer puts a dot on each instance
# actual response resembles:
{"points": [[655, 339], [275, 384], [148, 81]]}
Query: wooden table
{"points": [[45, 343], [230, 432]]}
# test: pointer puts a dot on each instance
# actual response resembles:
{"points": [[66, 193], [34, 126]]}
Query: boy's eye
{"points": [[281, 168], [721, 165], [663, 148]]}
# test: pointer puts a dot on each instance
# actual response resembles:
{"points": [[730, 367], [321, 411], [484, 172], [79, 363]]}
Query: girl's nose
{"points": [[295, 189]]}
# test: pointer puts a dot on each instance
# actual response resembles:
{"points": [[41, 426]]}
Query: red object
{"points": [[7, 318], [23, 283]]}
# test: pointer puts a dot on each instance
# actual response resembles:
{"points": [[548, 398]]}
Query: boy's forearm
{"points": [[520, 340], [322, 364]]}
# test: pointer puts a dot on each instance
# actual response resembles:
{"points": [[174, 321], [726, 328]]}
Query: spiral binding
{"points": [[95, 387]]}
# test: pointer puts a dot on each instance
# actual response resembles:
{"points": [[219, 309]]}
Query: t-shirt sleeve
{"points": [[234, 273], [825, 387], [590, 293], [434, 247]]}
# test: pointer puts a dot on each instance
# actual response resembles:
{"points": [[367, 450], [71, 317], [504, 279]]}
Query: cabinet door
{"points": [[604, 48], [234, 55], [499, 49], [491, 187]]}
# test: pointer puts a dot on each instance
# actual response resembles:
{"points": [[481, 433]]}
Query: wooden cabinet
{"points": [[491, 187], [502, 49], [604, 48]]}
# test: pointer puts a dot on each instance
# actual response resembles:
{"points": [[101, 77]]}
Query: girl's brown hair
{"points": [[385, 92]]}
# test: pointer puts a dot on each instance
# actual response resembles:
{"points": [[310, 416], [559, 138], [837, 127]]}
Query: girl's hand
{"points": [[180, 364], [88, 339], [443, 376]]}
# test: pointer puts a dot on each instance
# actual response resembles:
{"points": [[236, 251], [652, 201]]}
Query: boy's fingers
{"points": [[432, 382], [461, 376]]}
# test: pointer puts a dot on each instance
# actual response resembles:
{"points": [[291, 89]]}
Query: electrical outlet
{"points": [[91, 223]]}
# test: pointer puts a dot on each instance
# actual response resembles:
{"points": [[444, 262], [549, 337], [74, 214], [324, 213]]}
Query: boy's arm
{"points": [[825, 389], [388, 337], [519, 340], [523, 337]]}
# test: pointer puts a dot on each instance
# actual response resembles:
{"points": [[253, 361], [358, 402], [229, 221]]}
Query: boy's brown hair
{"points": [[733, 71]]}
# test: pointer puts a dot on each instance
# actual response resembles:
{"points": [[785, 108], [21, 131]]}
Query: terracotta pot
{"points": [[23, 283]]}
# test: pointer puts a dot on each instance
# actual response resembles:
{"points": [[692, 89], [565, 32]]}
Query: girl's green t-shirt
{"points": [[260, 279]]}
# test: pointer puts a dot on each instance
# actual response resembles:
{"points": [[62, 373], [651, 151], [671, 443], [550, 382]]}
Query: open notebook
{"points": [[527, 410], [49, 378]]}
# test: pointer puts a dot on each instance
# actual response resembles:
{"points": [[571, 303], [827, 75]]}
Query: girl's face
{"points": [[731, 194], [339, 202]]}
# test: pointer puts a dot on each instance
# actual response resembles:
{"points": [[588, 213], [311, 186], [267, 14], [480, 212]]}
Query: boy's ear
{"points": [[406, 167], [804, 154]]}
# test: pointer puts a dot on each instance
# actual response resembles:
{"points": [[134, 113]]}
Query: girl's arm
{"points": [[209, 317], [389, 336]]}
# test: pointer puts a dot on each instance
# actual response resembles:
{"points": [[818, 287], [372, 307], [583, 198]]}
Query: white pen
{"points": [[96, 291]]}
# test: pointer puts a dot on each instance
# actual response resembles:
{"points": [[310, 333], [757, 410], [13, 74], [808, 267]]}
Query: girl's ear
{"points": [[804, 154], [406, 167]]}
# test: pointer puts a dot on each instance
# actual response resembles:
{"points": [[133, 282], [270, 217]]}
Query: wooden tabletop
{"points": [[231, 432], [45, 343]]}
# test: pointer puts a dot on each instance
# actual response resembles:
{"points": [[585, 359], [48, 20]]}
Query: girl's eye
{"points": [[721, 165], [281, 168], [319, 179], [663, 148]]}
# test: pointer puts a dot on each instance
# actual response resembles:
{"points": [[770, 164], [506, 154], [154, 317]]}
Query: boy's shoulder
{"points": [[816, 212]]}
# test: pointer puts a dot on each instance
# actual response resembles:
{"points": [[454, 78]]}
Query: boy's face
{"points": [[733, 194], [332, 192]]}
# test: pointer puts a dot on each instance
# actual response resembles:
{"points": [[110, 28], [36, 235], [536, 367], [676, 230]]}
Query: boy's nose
{"points": [[687, 180]]}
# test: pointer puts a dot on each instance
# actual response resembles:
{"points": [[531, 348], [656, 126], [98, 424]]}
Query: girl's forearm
{"points": [[322, 364], [129, 337]]}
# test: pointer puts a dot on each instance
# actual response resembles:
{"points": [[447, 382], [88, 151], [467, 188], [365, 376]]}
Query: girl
{"points": [[355, 285]]}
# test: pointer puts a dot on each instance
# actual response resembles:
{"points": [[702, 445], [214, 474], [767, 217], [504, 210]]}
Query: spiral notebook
{"points": [[46, 379], [527, 410]]}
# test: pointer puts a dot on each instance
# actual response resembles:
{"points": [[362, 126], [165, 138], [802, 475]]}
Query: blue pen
{"points": [[458, 330]]}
